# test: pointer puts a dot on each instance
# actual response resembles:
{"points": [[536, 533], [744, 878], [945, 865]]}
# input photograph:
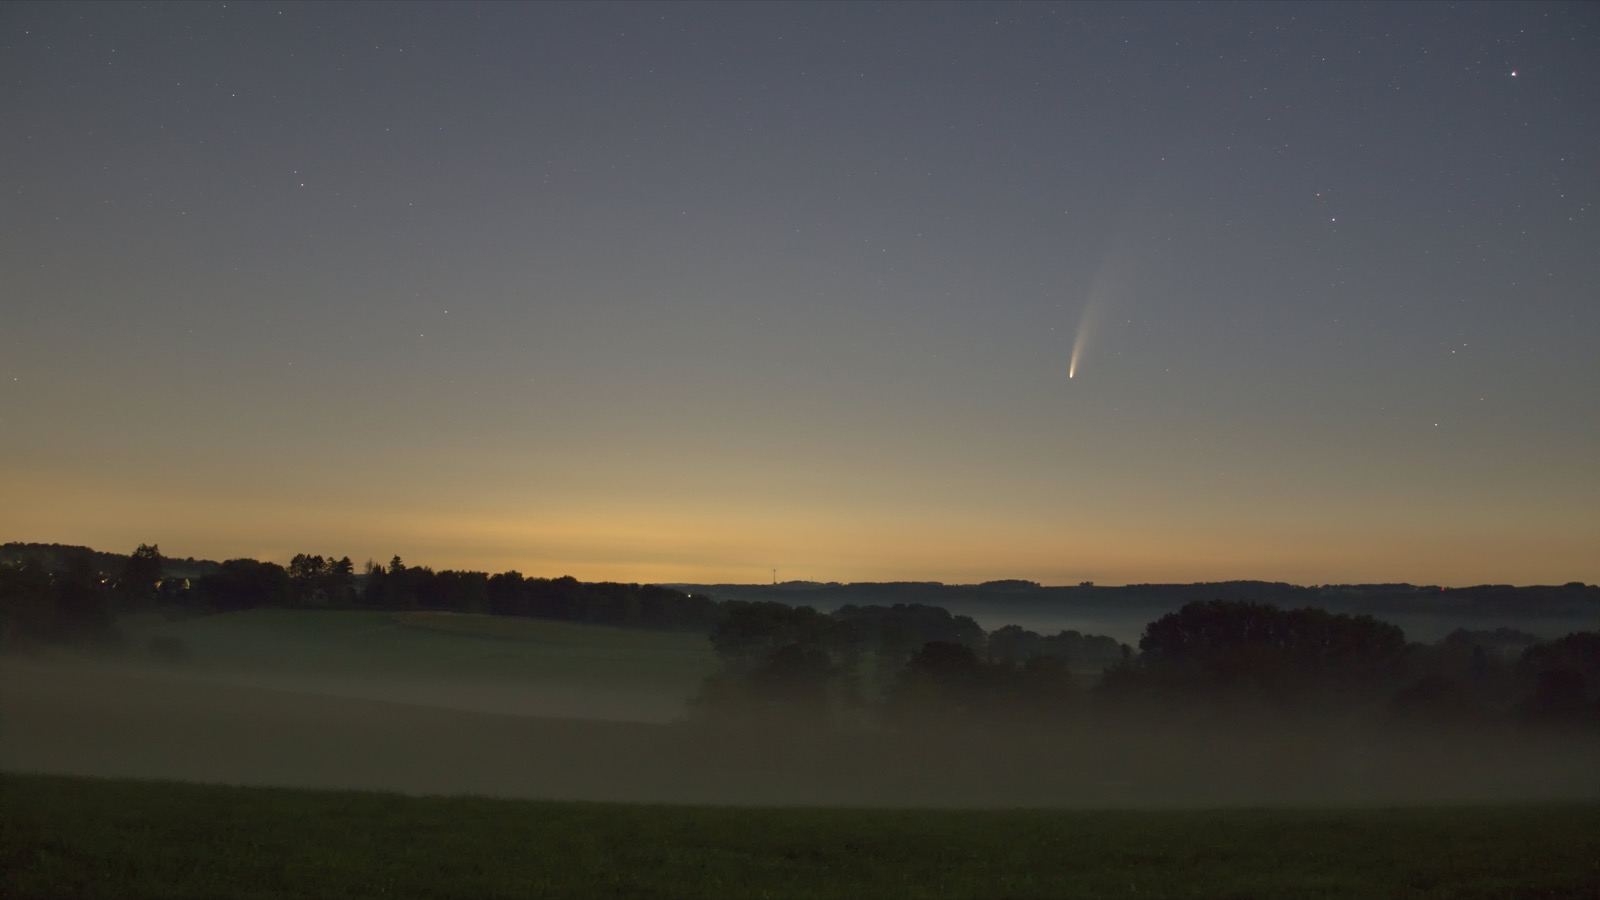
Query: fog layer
{"points": [[148, 722]]}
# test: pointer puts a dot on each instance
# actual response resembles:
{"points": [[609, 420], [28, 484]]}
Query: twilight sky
{"points": [[678, 292]]}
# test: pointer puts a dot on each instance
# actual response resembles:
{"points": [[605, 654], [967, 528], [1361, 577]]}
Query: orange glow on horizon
{"points": [[643, 545]]}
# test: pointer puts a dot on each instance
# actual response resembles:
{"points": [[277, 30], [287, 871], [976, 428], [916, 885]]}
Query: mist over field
{"points": [[1424, 613], [1160, 435], [424, 705]]}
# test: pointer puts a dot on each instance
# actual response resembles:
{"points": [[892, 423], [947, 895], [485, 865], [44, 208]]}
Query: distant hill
{"points": [[1426, 612]]}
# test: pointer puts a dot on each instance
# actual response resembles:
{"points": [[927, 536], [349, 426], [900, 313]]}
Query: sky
{"points": [[695, 292]]}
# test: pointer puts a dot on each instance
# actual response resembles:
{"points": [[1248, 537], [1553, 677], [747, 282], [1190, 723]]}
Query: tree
{"points": [[306, 575], [1560, 697], [1436, 700], [1014, 644], [751, 632], [321, 581], [337, 582], [140, 576], [1566, 680], [778, 660], [27, 609], [797, 678], [240, 584], [82, 608], [941, 679], [1294, 656]]}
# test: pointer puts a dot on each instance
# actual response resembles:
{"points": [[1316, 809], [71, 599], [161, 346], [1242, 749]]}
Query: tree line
{"points": [[63, 597], [892, 664], [62, 594], [1573, 600], [1217, 662]]}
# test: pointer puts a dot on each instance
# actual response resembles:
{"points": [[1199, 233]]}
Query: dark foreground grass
{"points": [[63, 836]]}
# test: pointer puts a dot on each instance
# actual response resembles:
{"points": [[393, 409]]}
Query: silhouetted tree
{"points": [[1014, 644], [798, 678], [306, 577], [136, 584], [1299, 657], [1565, 677], [1560, 697], [1436, 700], [943, 679], [82, 605], [241, 584], [750, 633], [27, 603]]}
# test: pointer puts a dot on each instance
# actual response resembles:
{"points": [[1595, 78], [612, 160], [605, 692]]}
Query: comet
{"points": [[1081, 340], [1077, 345], [1113, 276]]}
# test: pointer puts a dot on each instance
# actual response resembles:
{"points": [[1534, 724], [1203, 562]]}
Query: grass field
{"points": [[452, 710], [421, 702], [448, 704], [102, 838], [442, 645], [445, 660]]}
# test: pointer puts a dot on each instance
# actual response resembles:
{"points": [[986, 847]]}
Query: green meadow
{"points": [[102, 838], [431, 703], [417, 702], [439, 645]]}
